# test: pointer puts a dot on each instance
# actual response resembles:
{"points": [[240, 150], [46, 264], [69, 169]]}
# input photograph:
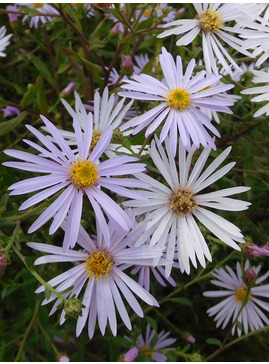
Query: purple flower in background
{"points": [[10, 110], [129, 356], [237, 292], [163, 343], [13, 18], [46, 9], [69, 88], [100, 269], [75, 176]]}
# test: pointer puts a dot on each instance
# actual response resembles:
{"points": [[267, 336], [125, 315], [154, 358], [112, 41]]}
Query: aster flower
{"points": [[4, 40], [13, 18], [161, 10], [147, 346], [237, 292], [172, 209], [212, 23], [260, 77], [180, 98], [107, 111], [74, 176], [43, 8], [100, 269]]}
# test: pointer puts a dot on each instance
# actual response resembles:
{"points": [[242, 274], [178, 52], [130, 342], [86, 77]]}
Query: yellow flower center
{"points": [[148, 351], [83, 174], [182, 202], [147, 12], [96, 135], [179, 99], [98, 264], [37, 5], [210, 21], [241, 293]]}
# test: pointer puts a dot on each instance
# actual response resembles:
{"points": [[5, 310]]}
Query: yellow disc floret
{"points": [[83, 174], [210, 21], [182, 202], [179, 99], [99, 264], [241, 293], [38, 5], [96, 135]]}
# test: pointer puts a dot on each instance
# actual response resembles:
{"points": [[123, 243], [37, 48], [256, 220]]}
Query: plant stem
{"points": [[28, 330], [226, 346], [48, 338], [13, 236]]}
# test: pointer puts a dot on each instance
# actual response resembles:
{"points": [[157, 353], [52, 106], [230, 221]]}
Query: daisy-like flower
{"points": [[100, 269], [260, 77], [172, 209], [161, 10], [147, 346], [212, 23], [107, 111], [74, 176], [10, 110], [46, 9], [4, 40], [240, 288], [180, 98]]}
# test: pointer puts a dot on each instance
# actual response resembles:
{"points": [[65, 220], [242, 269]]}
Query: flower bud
{"points": [[69, 88], [189, 338], [180, 12], [117, 136], [196, 357], [249, 277], [127, 65], [62, 357], [4, 260], [13, 18], [73, 307], [254, 251], [117, 28], [10, 110], [129, 356]]}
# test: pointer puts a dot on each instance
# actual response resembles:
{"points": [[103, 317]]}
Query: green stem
{"points": [[28, 330], [37, 276], [226, 346], [48, 338], [13, 236]]}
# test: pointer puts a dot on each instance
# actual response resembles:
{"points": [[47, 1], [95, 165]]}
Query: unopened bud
{"points": [[69, 88], [196, 357], [249, 277], [73, 307], [190, 338], [254, 251], [117, 28], [129, 356], [181, 11], [127, 65], [62, 357], [4, 260]]}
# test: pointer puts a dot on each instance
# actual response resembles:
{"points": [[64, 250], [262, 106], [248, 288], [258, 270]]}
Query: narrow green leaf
{"points": [[182, 300], [42, 67], [213, 341], [7, 126]]}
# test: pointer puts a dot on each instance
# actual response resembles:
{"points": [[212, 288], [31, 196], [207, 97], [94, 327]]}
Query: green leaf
{"points": [[30, 11], [213, 341], [152, 322], [182, 301], [239, 325], [62, 68], [47, 294], [42, 67], [41, 97], [9, 125]]}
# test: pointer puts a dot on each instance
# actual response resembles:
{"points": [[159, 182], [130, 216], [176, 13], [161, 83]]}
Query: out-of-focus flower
{"points": [[127, 65], [162, 10], [255, 251], [238, 294], [212, 23], [191, 339], [69, 88], [148, 348], [129, 356], [4, 40], [10, 110], [13, 18], [181, 98], [4, 260], [47, 10], [260, 77], [76, 175], [117, 29], [100, 269], [62, 358], [171, 207]]}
